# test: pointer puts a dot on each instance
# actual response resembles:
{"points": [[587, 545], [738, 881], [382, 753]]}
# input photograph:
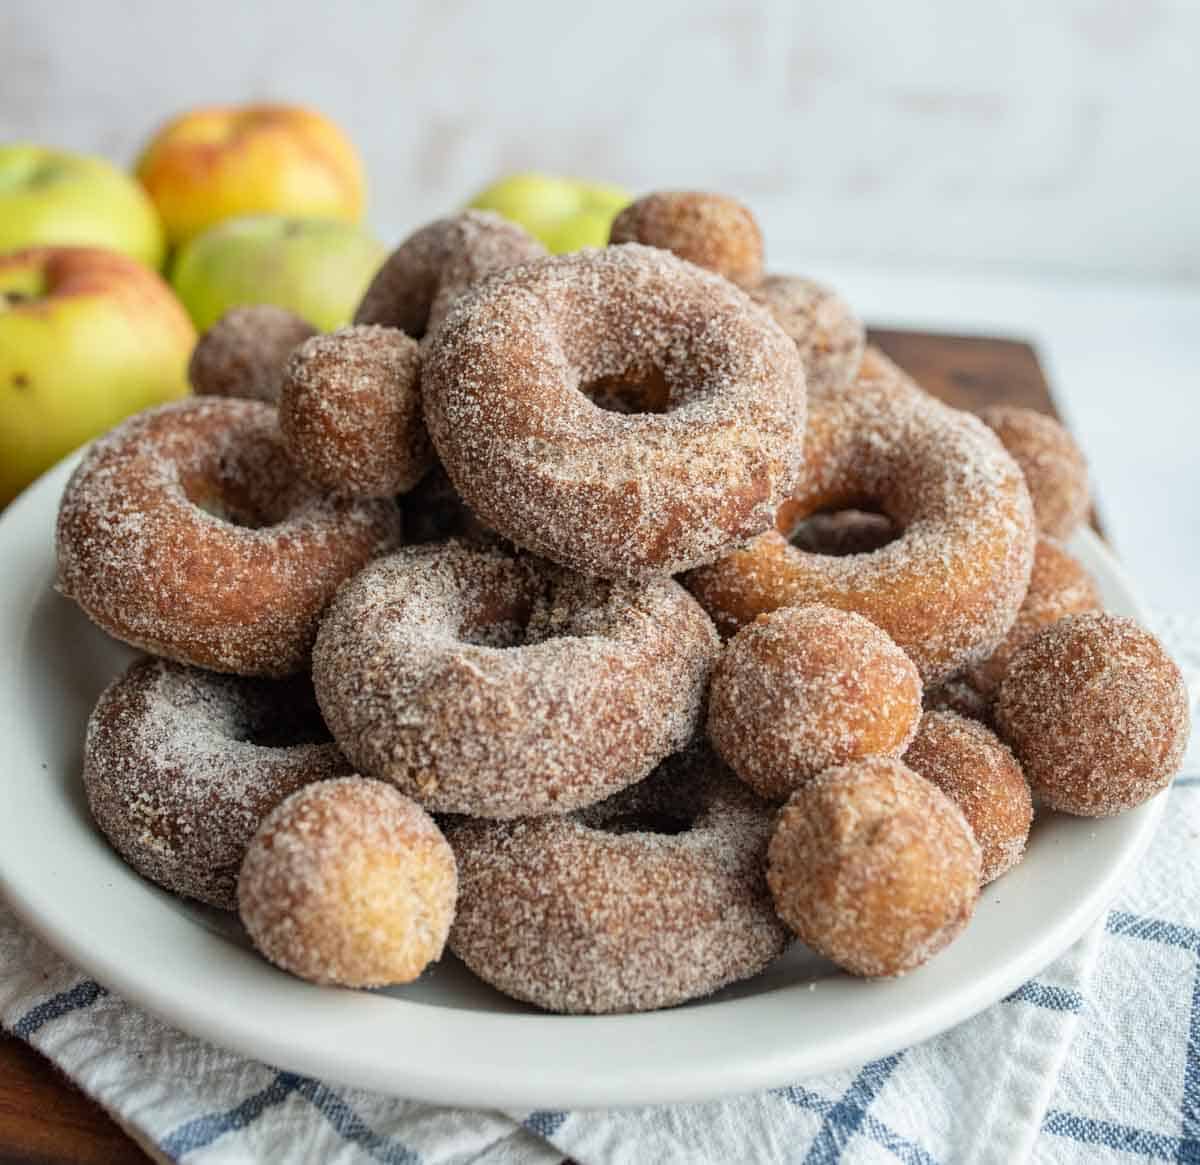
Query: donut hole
{"points": [[496, 624], [669, 822], [252, 490], [636, 390], [837, 533], [272, 714], [840, 531]]}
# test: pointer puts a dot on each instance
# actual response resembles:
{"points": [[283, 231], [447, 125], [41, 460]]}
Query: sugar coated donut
{"points": [[1058, 587], [180, 766], [710, 230], [830, 337], [244, 352], [1097, 714], [423, 276], [648, 899], [350, 412], [978, 772], [1052, 462], [349, 882], [604, 492], [949, 587], [498, 686], [873, 867], [806, 688], [186, 531]]}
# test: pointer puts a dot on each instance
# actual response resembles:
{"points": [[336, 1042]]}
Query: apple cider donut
{"points": [[949, 587], [243, 354], [350, 412], [186, 531], [650, 898], [978, 772], [830, 337], [615, 494], [1053, 464], [874, 867], [1096, 712], [423, 276], [710, 230], [806, 688], [349, 882], [500, 686], [180, 766]]}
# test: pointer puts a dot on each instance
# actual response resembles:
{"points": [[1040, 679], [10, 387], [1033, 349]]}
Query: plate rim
{"points": [[251, 1016]]}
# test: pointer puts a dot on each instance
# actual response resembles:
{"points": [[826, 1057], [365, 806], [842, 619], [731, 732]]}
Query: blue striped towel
{"points": [[1096, 1060]]}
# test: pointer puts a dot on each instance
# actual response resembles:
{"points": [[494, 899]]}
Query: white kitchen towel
{"points": [[1096, 1059]]}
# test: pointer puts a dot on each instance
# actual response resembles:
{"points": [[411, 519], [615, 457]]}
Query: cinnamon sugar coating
{"points": [[243, 354], [350, 412], [349, 882], [426, 273], [806, 688], [830, 337], [502, 686], [978, 772], [1058, 587], [949, 587], [610, 493], [710, 230], [180, 766], [653, 897], [1097, 714], [874, 867], [1053, 464], [186, 531]]}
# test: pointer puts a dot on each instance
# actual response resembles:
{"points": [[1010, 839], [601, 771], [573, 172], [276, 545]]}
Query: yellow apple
{"points": [[86, 337], [52, 196], [563, 213], [212, 164], [317, 268]]}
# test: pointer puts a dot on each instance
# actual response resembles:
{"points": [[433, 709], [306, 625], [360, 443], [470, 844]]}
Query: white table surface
{"points": [[1123, 360]]}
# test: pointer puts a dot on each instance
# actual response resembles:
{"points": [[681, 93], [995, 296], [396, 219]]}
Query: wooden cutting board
{"points": [[44, 1120]]}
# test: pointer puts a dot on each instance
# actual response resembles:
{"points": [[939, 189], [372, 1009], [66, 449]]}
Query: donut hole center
{"points": [[251, 491], [280, 714], [666, 822], [638, 389], [861, 527], [496, 624]]}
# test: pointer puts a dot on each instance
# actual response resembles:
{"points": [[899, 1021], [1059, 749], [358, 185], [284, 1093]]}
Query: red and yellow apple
{"points": [[56, 197], [564, 213], [87, 336], [221, 162], [317, 268]]}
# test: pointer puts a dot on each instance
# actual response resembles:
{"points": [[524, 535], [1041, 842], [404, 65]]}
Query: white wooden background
{"points": [[1048, 135]]}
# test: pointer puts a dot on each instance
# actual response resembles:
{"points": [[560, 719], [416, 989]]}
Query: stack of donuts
{"points": [[613, 618]]}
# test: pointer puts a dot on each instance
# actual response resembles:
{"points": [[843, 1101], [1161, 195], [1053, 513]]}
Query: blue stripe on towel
{"points": [[1047, 995], [82, 995], [846, 1117]]}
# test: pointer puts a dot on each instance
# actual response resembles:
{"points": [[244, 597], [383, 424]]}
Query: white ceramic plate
{"points": [[449, 1038]]}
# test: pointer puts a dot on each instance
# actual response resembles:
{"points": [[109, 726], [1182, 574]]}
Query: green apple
{"points": [[564, 213], [86, 337], [54, 197], [317, 268]]}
